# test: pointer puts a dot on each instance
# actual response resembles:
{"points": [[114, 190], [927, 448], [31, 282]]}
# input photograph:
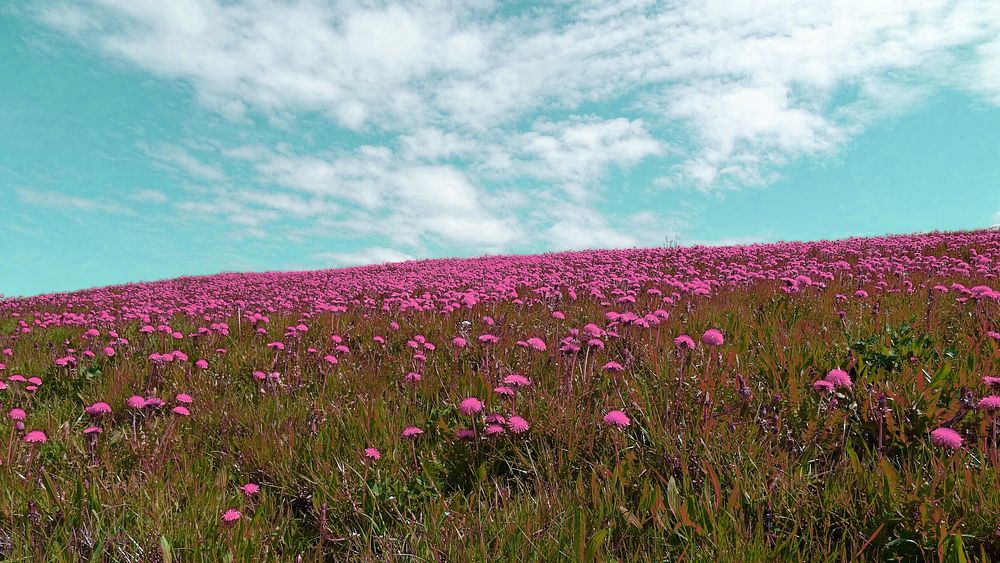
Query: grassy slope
{"points": [[705, 471]]}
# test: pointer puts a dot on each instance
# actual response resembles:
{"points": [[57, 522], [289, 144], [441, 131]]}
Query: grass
{"points": [[730, 454]]}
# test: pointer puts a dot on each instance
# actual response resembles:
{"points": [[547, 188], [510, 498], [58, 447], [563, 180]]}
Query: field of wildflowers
{"points": [[797, 401]]}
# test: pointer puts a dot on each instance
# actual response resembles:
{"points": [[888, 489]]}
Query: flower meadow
{"points": [[824, 401]]}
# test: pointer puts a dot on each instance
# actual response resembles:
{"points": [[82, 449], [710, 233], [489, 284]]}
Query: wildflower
{"points": [[412, 432], [823, 386], [613, 367], [136, 402], [35, 437], [92, 430], [684, 342], [839, 378], [505, 391], [413, 377], [537, 344], [991, 381], [713, 337], [250, 489], [470, 406], [946, 438], [517, 424], [16, 414], [494, 429], [373, 454], [466, 434], [184, 398], [98, 409], [617, 418], [182, 411], [231, 515], [861, 294], [201, 364], [990, 403], [517, 380]]}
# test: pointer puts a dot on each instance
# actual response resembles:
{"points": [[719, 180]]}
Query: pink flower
{"points": [[373, 454], [684, 342], [182, 411], [537, 344], [184, 398], [517, 380], [946, 438], [413, 377], [109, 351], [617, 418], [505, 391], [823, 386], [466, 434], [991, 381], [488, 339], [92, 430], [16, 414], [861, 294], [35, 437], [98, 409], [136, 402], [412, 432], [259, 375], [613, 367], [250, 489], [517, 424], [558, 315], [201, 364], [990, 403], [470, 406], [713, 337], [231, 515], [839, 378], [494, 429]]}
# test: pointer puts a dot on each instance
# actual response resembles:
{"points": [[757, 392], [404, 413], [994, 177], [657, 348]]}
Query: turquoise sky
{"points": [[144, 140]]}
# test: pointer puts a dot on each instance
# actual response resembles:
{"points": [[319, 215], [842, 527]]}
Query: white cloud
{"points": [[66, 202], [177, 157], [579, 229], [372, 255], [148, 196], [752, 84], [714, 94], [584, 148]]}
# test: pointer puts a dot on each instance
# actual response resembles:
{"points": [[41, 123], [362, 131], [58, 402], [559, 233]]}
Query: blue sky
{"points": [[145, 139]]}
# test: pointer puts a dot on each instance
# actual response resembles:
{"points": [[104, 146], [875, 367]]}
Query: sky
{"points": [[142, 139]]}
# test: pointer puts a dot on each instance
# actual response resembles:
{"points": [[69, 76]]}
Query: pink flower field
{"points": [[794, 401]]}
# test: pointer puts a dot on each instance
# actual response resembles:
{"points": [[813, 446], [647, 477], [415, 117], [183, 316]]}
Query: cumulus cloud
{"points": [[371, 255], [473, 118]]}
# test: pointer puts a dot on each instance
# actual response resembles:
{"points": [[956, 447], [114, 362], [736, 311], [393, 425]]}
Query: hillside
{"points": [[799, 401]]}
